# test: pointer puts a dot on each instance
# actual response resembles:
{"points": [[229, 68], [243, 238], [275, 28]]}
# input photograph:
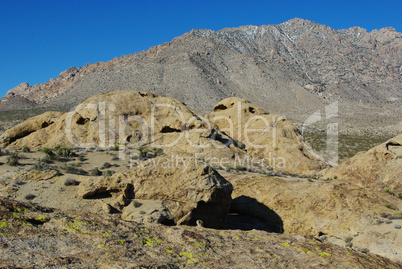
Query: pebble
{"points": [[397, 226]]}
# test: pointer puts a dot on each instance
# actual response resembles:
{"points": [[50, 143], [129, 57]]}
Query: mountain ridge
{"points": [[293, 68]]}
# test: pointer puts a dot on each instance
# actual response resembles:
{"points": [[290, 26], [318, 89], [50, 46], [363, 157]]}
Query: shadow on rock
{"points": [[247, 213]]}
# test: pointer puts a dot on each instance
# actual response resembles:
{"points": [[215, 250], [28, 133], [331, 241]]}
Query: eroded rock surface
{"points": [[380, 167]]}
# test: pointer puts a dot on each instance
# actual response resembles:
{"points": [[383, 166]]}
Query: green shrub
{"points": [[389, 206], [108, 173], [40, 166], [95, 172], [13, 159], [387, 190], [26, 149], [348, 239], [49, 152], [115, 147], [143, 152], [240, 168], [65, 152]]}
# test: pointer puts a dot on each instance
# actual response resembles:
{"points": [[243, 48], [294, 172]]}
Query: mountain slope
{"points": [[293, 68]]}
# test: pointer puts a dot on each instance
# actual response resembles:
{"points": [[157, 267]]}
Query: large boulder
{"points": [[380, 167], [28, 127], [126, 117], [269, 137], [182, 190], [331, 209]]}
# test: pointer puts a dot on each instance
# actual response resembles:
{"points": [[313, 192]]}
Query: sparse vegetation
{"points": [[41, 166], [389, 206], [240, 168], [387, 190], [72, 169], [26, 149], [106, 165], [29, 196], [157, 151], [95, 172], [115, 147], [49, 152], [348, 239], [71, 182], [143, 152], [365, 250], [108, 173], [13, 159]]}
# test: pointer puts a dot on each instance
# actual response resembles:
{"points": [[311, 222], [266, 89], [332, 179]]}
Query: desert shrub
{"points": [[143, 152], [72, 169], [108, 173], [95, 172], [400, 195], [387, 190], [40, 166], [365, 251], [46, 159], [227, 168], [106, 165], [49, 153], [26, 149], [389, 206], [65, 152], [115, 158], [13, 159], [310, 180], [240, 168], [115, 147], [158, 151], [71, 182], [335, 177], [81, 158], [348, 239], [30, 196]]}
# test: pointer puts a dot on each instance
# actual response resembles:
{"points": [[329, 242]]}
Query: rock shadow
{"points": [[247, 213]]}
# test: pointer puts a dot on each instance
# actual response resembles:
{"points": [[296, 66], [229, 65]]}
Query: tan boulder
{"points": [[266, 136], [36, 175], [380, 167], [321, 208], [28, 127], [185, 189], [134, 118]]}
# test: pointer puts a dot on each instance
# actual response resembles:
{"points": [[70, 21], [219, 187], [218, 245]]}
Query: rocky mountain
{"points": [[293, 69]]}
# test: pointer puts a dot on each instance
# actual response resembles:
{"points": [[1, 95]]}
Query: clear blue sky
{"points": [[41, 38]]}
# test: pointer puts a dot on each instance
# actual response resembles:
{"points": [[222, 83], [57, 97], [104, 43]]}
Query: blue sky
{"points": [[41, 38]]}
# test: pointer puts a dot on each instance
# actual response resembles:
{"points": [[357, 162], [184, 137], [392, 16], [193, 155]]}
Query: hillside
{"points": [[292, 69]]}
